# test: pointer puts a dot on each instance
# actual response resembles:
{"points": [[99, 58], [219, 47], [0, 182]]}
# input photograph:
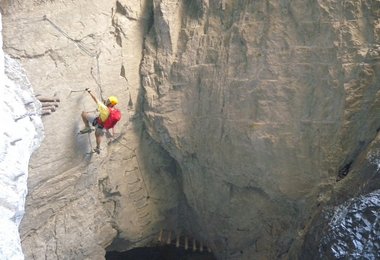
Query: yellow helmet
{"points": [[112, 100]]}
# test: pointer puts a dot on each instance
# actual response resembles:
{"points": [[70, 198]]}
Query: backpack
{"points": [[112, 119]]}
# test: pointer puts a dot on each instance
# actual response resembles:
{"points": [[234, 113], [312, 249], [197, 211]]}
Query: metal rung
{"points": [[134, 182], [142, 206], [145, 215], [137, 197], [134, 191], [144, 224]]}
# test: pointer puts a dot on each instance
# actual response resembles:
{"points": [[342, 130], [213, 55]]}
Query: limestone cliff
{"points": [[264, 105], [239, 118]]}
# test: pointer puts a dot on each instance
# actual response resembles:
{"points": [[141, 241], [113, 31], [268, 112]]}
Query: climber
{"points": [[107, 118]]}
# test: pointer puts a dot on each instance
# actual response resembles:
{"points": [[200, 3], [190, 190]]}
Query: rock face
{"points": [[21, 133], [351, 231], [239, 117], [262, 104]]}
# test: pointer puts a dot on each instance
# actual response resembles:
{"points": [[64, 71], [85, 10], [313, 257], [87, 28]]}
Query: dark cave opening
{"points": [[169, 252]]}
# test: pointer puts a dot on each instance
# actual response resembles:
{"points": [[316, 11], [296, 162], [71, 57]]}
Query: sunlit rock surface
{"points": [[239, 118], [21, 132]]}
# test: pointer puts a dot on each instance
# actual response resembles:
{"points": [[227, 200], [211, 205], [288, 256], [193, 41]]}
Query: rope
{"points": [[24, 20], [98, 80], [77, 42], [86, 50]]}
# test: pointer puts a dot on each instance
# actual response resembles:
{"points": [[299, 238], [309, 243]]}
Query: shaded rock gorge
{"points": [[244, 124]]}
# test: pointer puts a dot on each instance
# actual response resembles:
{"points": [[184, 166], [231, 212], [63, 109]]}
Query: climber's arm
{"points": [[92, 95]]}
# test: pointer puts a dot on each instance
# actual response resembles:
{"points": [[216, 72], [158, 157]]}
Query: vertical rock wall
{"points": [[255, 108], [79, 203], [263, 104], [21, 133]]}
